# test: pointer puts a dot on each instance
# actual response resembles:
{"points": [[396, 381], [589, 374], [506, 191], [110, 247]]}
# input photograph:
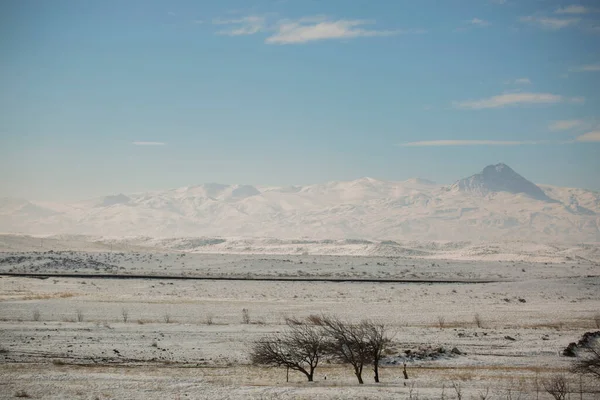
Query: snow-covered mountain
{"points": [[496, 204], [500, 178]]}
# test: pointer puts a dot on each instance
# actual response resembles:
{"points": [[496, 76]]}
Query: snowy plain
{"points": [[187, 339]]}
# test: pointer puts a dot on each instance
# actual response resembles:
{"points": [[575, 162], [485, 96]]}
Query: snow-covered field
{"points": [[67, 338]]}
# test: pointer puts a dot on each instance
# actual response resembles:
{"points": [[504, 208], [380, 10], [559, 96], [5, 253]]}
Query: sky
{"points": [[103, 97]]}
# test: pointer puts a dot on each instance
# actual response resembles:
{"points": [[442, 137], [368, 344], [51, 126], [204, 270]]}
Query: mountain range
{"points": [[495, 204]]}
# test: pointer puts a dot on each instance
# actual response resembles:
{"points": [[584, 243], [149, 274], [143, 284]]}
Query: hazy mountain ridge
{"points": [[497, 204]]}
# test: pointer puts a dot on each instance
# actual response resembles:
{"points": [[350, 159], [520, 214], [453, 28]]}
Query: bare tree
{"points": [[348, 343], [478, 321], [378, 342], [245, 316], [557, 387], [80, 316], [458, 390], [441, 322], [300, 348], [484, 395], [588, 362]]}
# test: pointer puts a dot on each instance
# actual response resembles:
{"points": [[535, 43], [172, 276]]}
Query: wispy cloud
{"points": [[550, 23], [586, 68], [479, 22], [438, 143], [304, 30], [321, 28], [565, 125], [515, 99], [572, 9], [149, 143], [518, 81], [593, 136], [242, 26]]}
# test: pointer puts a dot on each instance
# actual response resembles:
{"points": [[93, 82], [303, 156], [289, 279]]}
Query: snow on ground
{"points": [[186, 338], [433, 250]]}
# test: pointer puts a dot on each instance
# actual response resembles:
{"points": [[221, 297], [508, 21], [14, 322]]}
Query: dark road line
{"points": [[245, 278]]}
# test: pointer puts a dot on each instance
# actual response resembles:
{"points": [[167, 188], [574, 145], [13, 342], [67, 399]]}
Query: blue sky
{"points": [[101, 97]]}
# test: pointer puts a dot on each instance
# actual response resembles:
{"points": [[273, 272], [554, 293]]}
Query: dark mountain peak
{"points": [[114, 200], [499, 178]]}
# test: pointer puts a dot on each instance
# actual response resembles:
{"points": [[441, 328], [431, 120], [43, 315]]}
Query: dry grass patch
{"points": [[575, 324], [48, 296]]}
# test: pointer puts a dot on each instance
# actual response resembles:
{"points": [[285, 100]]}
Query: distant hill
{"points": [[495, 204]]}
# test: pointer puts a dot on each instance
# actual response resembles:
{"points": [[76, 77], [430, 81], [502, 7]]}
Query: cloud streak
{"points": [[550, 23], [515, 99], [590, 137], [518, 81], [441, 143], [586, 68], [242, 26], [565, 125], [307, 30], [479, 22], [572, 9], [304, 30], [593, 136], [149, 144]]}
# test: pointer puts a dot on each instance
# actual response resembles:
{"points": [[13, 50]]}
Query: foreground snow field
{"points": [[67, 338]]}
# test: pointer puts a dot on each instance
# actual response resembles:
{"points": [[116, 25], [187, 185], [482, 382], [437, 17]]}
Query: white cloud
{"points": [[593, 136], [509, 99], [320, 28], [432, 143], [586, 68], [565, 125], [149, 143], [551, 23], [519, 81], [498, 1], [303, 30], [479, 22], [242, 26], [576, 100], [572, 9]]}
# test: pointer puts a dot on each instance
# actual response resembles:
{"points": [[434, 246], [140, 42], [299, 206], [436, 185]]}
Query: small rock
{"points": [[456, 351], [509, 338]]}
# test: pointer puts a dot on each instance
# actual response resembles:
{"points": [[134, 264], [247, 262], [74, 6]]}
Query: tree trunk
{"points": [[358, 373], [308, 374], [376, 370]]}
